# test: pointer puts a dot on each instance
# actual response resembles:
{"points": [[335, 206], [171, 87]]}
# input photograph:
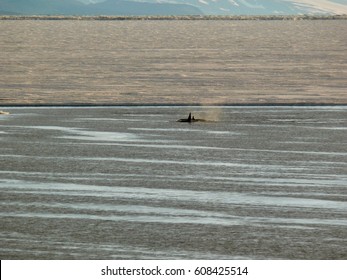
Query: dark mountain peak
{"points": [[108, 7], [122, 7]]}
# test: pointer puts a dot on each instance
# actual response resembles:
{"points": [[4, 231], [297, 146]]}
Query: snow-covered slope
{"points": [[325, 6], [266, 7]]}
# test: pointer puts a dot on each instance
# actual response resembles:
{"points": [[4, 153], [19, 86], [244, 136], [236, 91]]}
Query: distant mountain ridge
{"points": [[267, 7], [109, 7], [173, 7], [123, 7], [270, 7], [39, 7]]}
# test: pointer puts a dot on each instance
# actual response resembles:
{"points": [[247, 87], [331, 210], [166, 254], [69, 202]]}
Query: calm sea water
{"points": [[132, 183], [200, 62]]}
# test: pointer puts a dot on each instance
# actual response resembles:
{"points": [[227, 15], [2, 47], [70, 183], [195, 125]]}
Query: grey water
{"points": [[122, 182]]}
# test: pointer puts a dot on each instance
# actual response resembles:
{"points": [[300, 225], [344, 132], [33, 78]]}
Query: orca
{"points": [[191, 119]]}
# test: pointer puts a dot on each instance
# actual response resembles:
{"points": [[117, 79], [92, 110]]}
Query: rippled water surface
{"points": [[177, 61], [132, 183]]}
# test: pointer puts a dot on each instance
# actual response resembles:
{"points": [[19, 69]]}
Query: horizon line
{"points": [[254, 104], [174, 17]]}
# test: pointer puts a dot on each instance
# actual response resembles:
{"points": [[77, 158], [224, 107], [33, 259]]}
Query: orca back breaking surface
{"points": [[191, 119]]}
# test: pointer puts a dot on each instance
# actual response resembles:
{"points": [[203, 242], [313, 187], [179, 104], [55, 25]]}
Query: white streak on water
{"points": [[160, 162], [91, 135], [145, 194], [326, 181], [255, 221]]}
